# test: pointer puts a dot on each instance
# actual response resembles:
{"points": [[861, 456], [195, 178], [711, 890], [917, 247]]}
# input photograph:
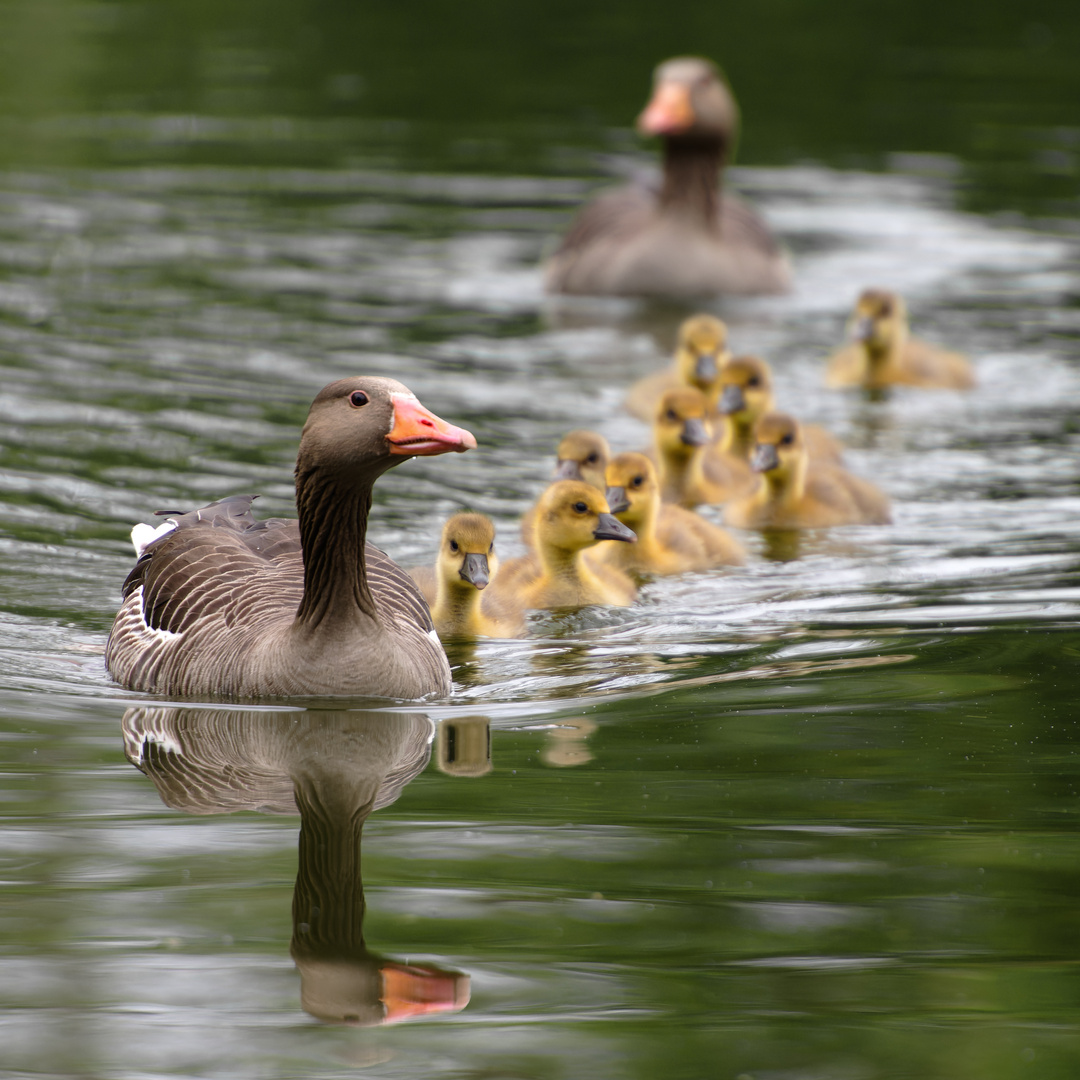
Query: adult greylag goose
{"points": [[581, 455], [883, 353], [686, 238], [333, 768], [455, 588], [745, 395], [796, 493], [226, 606], [670, 540], [571, 517], [701, 352]]}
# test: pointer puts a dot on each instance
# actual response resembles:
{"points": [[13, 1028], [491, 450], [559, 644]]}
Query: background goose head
{"points": [[690, 100], [573, 516], [583, 455], [746, 390], [633, 491], [467, 552], [879, 321], [780, 454], [681, 426], [702, 352], [362, 426]]}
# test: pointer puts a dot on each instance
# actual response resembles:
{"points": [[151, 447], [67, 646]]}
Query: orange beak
{"points": [[418, 432], [669, 111], [410, 990]]}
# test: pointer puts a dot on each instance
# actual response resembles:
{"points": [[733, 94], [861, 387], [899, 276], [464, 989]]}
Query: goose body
{"points": [[670, 540], [795, 493], [571, 517], [226, 606], [882, 352], [687, 238], [455, 588], [700, 354]]}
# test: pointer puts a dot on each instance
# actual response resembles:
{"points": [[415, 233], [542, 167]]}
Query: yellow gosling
{"points": [[581, 455], [465, 566], [670, 540], [571, 517], [883, 353], [794, 493], [700, 354]]}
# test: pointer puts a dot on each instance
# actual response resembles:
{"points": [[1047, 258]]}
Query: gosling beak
{"points": [[616, 499], [417, 432], [862, 328], [567, 469], [610, 528], [695, 432], [732, 400], [669, 110], [475, 569], [706, 367], [764, 458]]}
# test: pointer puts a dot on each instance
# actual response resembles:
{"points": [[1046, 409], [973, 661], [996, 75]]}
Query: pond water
{"points": [[811, 817]]}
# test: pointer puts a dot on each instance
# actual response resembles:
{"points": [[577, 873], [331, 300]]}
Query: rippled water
{"points": [[815, 816]]}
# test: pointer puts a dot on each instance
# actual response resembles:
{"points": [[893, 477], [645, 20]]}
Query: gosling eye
{"points": [[358, 398], [753, 381], [787, 440], [580, 507], [453, 545], [491, 550], [591, 459], [637, 481], [672, 415]]}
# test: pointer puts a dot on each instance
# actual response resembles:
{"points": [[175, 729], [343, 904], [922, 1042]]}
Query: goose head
{"points": [[780, 453], [690, 98], [746, 390], [583, 455], [879, 321], [633, 491], [572, 516], [701, 352], [681, 425], [364, 425], [467, 552]]}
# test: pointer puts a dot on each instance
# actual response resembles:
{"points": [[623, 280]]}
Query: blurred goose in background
{"points": [[685, 238], [882, 352], [670, 540], [700, 353], [581, 455], [223, 605], [745, 387], [682, 440], [794, 493], [454, 588], [571, 517]]}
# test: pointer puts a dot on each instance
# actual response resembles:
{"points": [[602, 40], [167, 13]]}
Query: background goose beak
{"points": [[610, 528], [616, 499], [567, 469], [475, 569], [764, 457], [732, 399], [695, 433], [669, 110], [419, 432]]}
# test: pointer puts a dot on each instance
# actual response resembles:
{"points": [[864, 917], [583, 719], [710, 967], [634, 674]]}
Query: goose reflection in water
{"points": [[334, 769]]}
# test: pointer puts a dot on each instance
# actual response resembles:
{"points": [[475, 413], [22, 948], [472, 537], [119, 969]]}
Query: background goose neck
{"points": [[333, 531], [692, 176]]}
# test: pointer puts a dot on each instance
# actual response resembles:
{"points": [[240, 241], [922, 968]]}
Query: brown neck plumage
{"points": [[692, 176], [335, 573]]}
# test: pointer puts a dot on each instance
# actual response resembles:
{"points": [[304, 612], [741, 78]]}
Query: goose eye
{"points": [[753, 381], [358, 398], [580, 507], [453, 545]]}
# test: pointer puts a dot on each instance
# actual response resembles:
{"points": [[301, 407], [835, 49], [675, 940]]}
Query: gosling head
{"points": [[633, 490], [779, 452], [467, 551], [572, 516], [702, 351], [583, 455], [879, 320], [681, 425], [746, 389]]}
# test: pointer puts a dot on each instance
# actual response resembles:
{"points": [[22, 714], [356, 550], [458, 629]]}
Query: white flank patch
{"points": [[434, 635], [142, 536], [146, 631]]}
